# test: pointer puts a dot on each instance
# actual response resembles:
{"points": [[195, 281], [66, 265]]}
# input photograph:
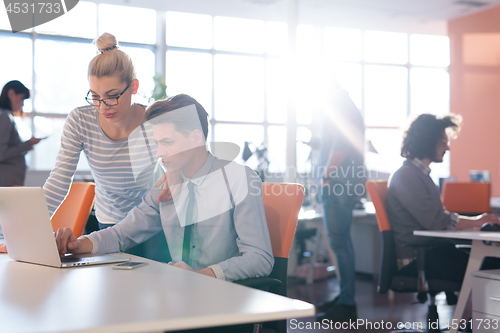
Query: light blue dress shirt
{"points": [[232, 239]]}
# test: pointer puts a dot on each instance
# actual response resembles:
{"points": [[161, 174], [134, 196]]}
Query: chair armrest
{"points": [[261, 283]]}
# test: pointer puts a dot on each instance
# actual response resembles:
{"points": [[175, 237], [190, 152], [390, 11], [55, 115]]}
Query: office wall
{"points": [[475, 94]]}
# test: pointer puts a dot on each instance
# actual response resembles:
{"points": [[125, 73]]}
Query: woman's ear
{"points": [[11, 93], [134, 85]]}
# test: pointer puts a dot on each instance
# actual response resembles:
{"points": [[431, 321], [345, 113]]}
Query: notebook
{"points": [[26, 226]]}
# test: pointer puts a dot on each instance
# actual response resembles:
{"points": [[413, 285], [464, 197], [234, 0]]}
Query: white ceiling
{"points": [[411, 16], [418, 9]]}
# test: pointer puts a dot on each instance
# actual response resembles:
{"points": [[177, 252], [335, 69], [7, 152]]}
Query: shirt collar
{"points": [[200, 176], [418, 163]]}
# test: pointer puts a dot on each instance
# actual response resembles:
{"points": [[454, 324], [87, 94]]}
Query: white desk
{"points": [[154, 298], [478, 252]]}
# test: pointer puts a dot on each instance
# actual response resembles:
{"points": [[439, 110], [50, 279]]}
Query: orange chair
{"points": [[282, 204], [468, 198], [410, 278], [74, 211]]}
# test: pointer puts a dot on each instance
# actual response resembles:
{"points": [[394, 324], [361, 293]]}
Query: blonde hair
{"points": [[111, 61]]}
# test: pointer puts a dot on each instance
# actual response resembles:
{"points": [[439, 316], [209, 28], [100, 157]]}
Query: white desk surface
{"points": [[461, 234], [153, 298], [479, 251]]}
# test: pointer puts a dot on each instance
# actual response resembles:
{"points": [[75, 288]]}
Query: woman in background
{"points": [[101, 130], [12, 149]]}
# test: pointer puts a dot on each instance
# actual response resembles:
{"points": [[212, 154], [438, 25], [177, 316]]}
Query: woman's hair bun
{"points": [[106, 42]]}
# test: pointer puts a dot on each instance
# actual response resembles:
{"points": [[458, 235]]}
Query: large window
{"points": [[239, 69]]}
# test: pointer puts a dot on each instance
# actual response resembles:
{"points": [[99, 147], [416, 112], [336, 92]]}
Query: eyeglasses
{"points": [[111, 101]]}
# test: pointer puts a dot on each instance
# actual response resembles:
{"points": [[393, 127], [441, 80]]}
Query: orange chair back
{"points": [[466, 197], [74, 211], [377, 189], [282, 202]]}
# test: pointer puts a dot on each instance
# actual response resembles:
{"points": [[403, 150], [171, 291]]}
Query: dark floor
{"points": [[375, 309]]}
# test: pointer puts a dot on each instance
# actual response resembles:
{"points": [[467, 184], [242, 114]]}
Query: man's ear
{"points": [[197, 136], [134, 85]]}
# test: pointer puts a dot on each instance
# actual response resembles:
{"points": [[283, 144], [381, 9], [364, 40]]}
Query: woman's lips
{"points": [[108, 115]]}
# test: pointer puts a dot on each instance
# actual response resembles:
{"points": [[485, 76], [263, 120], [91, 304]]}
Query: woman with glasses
{"points": [[12, 149], [101, 130]]}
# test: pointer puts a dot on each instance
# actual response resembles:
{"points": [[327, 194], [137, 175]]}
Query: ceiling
{"points": [[410, 16], [416, 9]]}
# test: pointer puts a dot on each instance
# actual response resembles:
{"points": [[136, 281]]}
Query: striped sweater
{"points": [[113, 165]]}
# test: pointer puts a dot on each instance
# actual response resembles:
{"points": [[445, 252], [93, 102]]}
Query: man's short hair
{"points": [[421, 138], [182, 122]]}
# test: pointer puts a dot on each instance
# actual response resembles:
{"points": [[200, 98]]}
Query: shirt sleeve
{"points": [[10, 149], [140, 224], [253, 239], [57, 185], [454, 221]]}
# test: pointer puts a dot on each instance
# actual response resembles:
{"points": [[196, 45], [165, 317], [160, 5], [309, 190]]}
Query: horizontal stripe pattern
{"points": [[112, 166]]}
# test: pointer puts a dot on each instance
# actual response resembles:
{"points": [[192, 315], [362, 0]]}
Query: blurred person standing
{"points": [[12, 149], [342, 176]]}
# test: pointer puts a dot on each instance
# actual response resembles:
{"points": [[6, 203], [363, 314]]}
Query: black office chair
{"points": [[410, 278]]}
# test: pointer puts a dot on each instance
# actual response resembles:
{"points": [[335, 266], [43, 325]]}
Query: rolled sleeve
{"points": [[140, 224]]}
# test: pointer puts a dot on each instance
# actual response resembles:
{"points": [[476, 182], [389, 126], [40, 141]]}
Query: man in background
{"points": [[414, 203], [341, 170]]}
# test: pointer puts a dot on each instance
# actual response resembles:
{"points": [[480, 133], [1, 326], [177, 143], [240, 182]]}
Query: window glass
{"points": [[387, 143], [276, 91], [238, 134], [128, 24], [4, 19], [342, 44], [190, 73], [307, 78], [239, 88], [46, 151], [303, 151], [386, 47], [430, 91], [385, 95], [276, 38], [189, 30], [81, 21], [144, 65], [17, 65], [239, 35], [428, 50], [308, 43], [275, 148], [23, 127], [350, 79], [61, 74]]}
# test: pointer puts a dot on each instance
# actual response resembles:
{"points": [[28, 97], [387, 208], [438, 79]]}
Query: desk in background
{"points": [[153, 298], [365, 236], [478, 252]]}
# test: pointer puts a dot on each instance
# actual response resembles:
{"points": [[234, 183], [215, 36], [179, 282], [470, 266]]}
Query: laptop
{"points": [[27, 229]]}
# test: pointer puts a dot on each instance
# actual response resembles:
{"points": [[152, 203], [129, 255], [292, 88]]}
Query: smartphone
{"points": [[130, 265]]}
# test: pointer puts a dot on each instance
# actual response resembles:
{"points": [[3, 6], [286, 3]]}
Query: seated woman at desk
{"points": [[413, 200], [101, 130]]}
